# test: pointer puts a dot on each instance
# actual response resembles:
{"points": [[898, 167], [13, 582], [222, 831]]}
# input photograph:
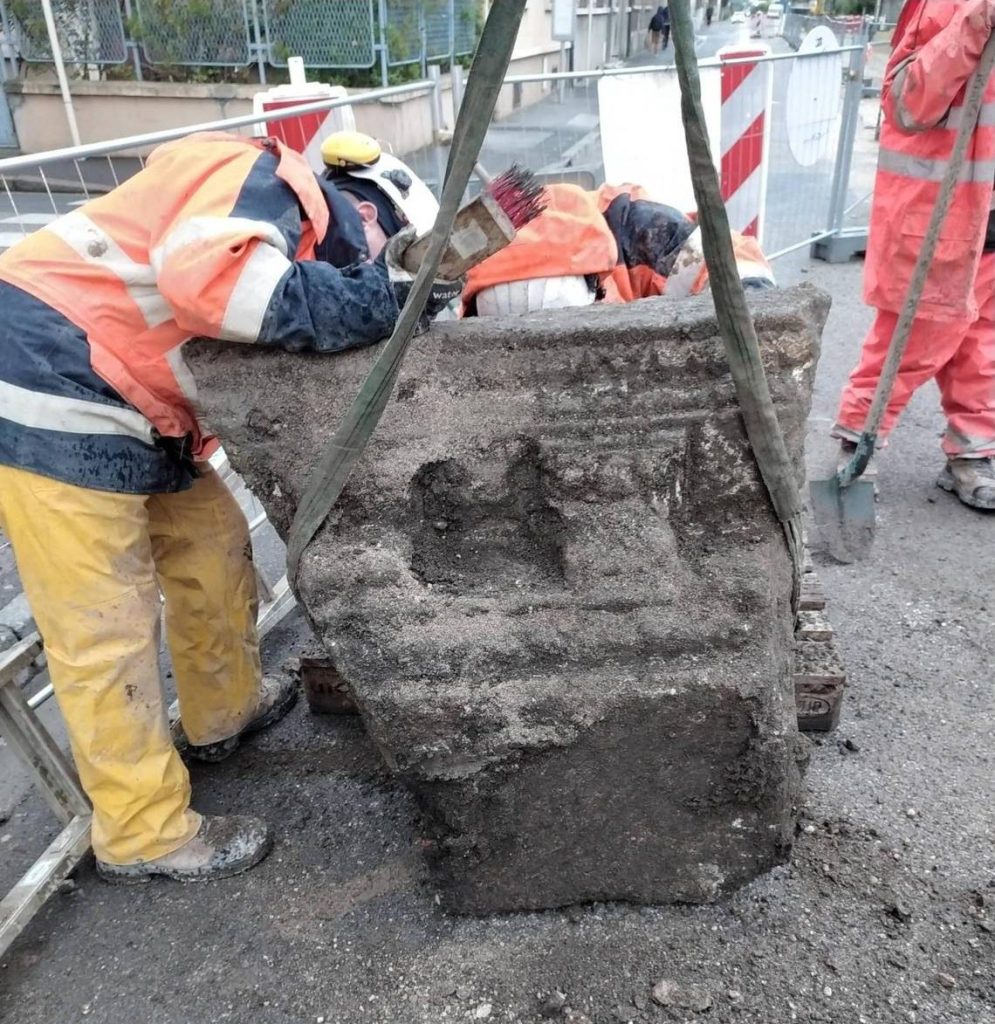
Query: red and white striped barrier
{"points": [[307, 132], [747, 92]]}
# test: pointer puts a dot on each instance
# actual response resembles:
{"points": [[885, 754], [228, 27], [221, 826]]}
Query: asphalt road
{"points": [[885, 914]]}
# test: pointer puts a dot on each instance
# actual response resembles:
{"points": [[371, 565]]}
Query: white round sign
{"points": [[815, 97]]}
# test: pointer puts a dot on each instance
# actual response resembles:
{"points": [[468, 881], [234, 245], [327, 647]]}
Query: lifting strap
{"points": [[735, 322], [490, 64]]}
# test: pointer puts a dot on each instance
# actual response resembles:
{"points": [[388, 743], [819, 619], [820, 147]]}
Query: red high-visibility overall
{"points": [[953, 340]]}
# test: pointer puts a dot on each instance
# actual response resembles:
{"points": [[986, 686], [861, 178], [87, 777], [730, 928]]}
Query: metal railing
{"points": [[339, 34], [848, 30], [549, 122], [36, 188]]}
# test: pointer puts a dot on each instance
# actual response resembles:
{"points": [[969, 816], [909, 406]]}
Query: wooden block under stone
{"points": [[820, 680], [813, 625], [812, 598], [326, 691]]}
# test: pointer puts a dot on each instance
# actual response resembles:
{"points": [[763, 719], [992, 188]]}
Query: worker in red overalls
{"points": [[937, 47]]}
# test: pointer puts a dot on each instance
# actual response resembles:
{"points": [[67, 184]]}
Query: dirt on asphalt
{"points": [[885, 914]]}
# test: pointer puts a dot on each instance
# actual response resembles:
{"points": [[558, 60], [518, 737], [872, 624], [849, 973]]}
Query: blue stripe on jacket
{"points": [[43, 352], [265, 197]]}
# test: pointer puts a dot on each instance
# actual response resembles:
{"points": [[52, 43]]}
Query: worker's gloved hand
{"points": [[401, 280]]}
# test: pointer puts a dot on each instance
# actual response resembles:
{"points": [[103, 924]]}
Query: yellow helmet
{"points": [[350, 149]]}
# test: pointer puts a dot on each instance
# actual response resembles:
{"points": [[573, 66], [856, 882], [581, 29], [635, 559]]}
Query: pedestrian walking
{"points": [[937, 45], [659, 30]]}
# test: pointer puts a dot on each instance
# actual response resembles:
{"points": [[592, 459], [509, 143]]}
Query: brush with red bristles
{"points": [[486, 224]]}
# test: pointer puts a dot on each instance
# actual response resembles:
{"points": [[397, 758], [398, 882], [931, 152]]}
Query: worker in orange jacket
{"points": [[611, 245], [936, 50], [106, 493]]}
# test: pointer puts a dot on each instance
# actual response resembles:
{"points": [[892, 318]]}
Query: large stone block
{"points": [[557, 588]]}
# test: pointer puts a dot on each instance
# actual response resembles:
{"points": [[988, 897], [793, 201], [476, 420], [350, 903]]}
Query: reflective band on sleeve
{"points": [[687, 267], [70, 415], [200, 229], [96, 247], [985, 120], [252, 294], [184, 378], [905, 122], [923, 169]]}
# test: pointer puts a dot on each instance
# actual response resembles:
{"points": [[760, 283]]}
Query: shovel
{"points": [[843, 505]]}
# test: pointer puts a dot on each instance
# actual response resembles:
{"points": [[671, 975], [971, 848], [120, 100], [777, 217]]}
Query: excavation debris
{"points": [[556, 589]]}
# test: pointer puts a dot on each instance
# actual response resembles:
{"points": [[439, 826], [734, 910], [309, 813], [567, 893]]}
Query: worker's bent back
{"points": [[97, 305]]}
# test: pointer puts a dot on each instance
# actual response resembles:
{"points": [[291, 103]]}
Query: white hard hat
{"points": [[410, 196], [359, 157], [516, 297]]}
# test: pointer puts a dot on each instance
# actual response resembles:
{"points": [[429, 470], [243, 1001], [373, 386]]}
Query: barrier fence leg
{"points": [[845, 243], [54, 776], [382, 44]]}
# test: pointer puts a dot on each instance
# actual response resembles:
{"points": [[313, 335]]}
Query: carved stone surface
{"points": [[557, 589]]}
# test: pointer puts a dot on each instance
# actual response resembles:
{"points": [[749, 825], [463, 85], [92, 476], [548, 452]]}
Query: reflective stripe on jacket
{"points": [[213, 238], [923, 99]]}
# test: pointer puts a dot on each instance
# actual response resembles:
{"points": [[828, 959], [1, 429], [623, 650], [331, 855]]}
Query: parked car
{"points": [[775, 12], [738, 18]]}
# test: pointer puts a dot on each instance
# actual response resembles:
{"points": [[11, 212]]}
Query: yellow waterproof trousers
{"points": [[93, 564]]}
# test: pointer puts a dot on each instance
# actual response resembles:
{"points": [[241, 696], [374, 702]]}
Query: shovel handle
{"points": [[903, 329]]}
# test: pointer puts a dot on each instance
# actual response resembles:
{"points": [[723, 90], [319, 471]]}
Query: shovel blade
{"points": [[845, 517]]}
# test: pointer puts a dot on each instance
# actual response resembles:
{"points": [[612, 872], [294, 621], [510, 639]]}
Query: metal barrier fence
{"points": [[819, 177], [820, 159], [848, 30], [237, 33]]}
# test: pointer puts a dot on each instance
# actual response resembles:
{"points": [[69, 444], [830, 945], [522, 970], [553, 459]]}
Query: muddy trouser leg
{"points": [[931, 346], [967, 380], [203, 557], [85, 560]]}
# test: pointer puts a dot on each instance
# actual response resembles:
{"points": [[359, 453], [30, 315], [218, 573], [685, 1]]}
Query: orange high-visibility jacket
{"points": [[617, 236], [934, 56], [215, 238]]}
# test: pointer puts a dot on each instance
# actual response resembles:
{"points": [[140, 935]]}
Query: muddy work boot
{"points": [[972, 480], [279, 694], [222, 847]]}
